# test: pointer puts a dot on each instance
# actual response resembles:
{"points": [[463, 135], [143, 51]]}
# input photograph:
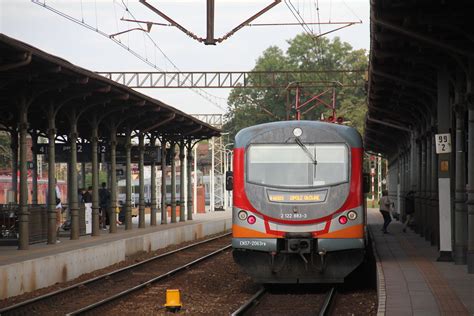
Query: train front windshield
{"points": [[291, 165]]}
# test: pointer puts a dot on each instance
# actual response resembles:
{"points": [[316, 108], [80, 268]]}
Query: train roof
{"points": [[330, 131]]}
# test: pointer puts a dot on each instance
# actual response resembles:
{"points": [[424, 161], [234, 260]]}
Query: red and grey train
{"points": [[298, 208]]}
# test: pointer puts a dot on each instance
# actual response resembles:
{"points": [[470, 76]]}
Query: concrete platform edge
{"points": [[21, 277], [381, 293]]}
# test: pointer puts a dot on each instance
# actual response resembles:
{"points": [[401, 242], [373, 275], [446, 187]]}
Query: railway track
{"points": [[288, 302], [88, 295]]}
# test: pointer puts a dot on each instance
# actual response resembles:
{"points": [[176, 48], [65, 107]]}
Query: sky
{"points": [[168, 48]]}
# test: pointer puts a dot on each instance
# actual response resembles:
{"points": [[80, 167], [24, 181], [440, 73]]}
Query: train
{"points": [[299, 213]]}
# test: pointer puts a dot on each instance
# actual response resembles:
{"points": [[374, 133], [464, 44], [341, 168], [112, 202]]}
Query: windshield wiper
{"points": [[306, 150]]}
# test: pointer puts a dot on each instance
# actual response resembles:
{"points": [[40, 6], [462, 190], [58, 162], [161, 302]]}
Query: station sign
{"points": [[443, 143], [151, 154], [62, 152]]}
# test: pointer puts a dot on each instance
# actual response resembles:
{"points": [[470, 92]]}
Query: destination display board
{"points": [[297, 197]]}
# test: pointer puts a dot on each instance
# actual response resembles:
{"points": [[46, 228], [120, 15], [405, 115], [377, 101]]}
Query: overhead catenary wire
{"points": [[210, 98]]}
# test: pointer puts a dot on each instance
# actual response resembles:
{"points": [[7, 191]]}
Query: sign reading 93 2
{"points": [[297, 197]]}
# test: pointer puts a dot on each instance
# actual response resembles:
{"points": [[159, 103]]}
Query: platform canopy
{"points": [[46, 82], [410, 42]]}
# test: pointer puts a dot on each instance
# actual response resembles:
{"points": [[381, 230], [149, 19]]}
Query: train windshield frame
{"points": [[289, 166]]}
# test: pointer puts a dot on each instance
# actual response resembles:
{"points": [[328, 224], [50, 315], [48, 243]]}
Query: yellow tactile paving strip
{"points": [[446, 298]]}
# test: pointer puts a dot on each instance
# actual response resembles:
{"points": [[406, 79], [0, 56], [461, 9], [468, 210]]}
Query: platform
{"points": [[44, 265], [411, 281]]}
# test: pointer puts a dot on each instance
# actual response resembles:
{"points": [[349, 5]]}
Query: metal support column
{"points": [[95, 178], [460, 210], [173, 182], [212, 192], [14, 147], [74, 207], [83, 175], [470, 187], [190, 182], [153, 207], [428, 210], [423, 190], [444, 168], [195, 206], [141, 181], [128, 180], [51, 202], [164, 211], [113, 179], [434, 187], [23, 216], [182, 214], [34, 171]]}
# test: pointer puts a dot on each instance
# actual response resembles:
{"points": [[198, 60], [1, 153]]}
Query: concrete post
{"points": [[417, 185], [113, 179], [182, 214], [164, 212], [460, 210], [14, 147], [52, 234], [95, 179], [153, 187], [128, 180], [73, 183], [190, 182], [173, 182], [141, 182], [444, 168], [34, 172], [23, 216]]}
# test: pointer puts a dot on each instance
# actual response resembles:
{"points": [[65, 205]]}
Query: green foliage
{"points": [[252, 106], [5, 150], [102, 178]]}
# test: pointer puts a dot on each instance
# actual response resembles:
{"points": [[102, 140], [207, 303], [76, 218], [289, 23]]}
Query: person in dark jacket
{"points": [[385, 210], [409, 208], [104, 201]]}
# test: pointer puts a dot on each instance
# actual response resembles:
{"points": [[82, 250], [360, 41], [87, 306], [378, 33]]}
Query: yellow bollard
{"points": [[173, 300]]}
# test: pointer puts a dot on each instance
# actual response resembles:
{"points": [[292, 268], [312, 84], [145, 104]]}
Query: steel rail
{"points": [[327, 302], [104, 276], [145, 284], [251, 302]]}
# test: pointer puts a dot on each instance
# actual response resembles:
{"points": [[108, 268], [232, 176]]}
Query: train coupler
{"points": [[322, 255]]}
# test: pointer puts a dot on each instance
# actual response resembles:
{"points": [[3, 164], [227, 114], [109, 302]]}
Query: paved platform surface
{"points": [[43, 265], [411, 281]]}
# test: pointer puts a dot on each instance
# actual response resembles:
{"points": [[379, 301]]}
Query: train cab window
{"points": [[288, 165]]}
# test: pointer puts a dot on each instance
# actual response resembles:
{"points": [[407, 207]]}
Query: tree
{"points": [[255, 105]]}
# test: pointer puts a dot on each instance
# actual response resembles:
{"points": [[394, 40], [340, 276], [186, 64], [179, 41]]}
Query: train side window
{"points": [[229, 180], [366, 183]]}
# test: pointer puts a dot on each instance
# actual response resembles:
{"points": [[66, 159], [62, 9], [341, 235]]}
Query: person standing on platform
{"points": [[104, 201], [409, 209], [385, 210]]}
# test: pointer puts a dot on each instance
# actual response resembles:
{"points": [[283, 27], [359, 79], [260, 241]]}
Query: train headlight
{"points": [[352, 215], [342, 220], [297, 132], [242, 215]]}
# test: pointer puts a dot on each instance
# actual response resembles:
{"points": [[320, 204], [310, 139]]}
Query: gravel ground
{"points": [[214, 287]]}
